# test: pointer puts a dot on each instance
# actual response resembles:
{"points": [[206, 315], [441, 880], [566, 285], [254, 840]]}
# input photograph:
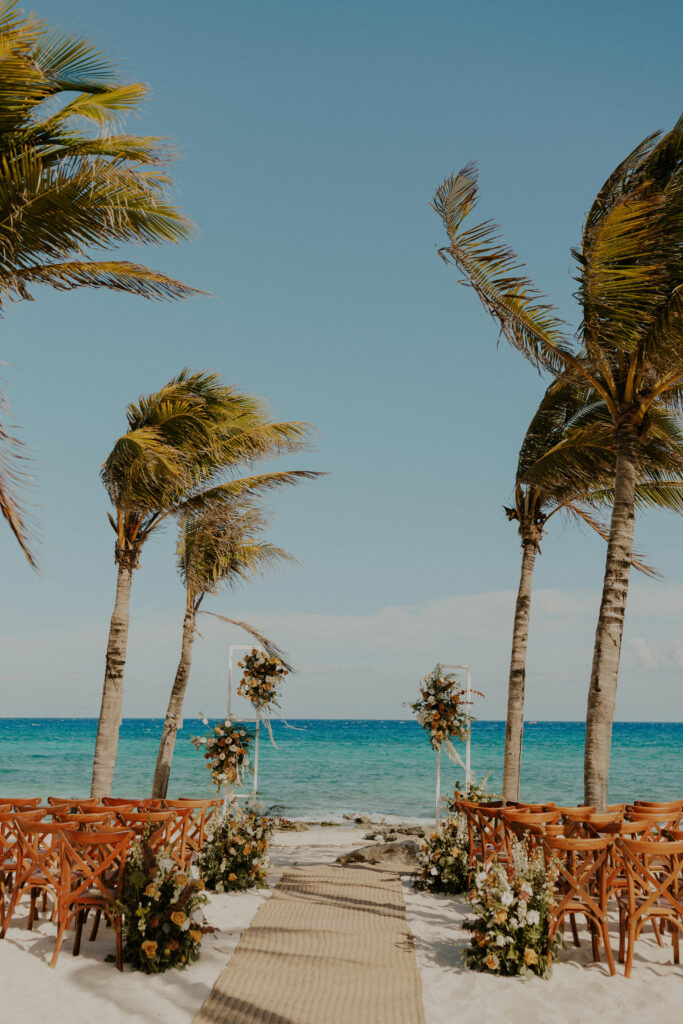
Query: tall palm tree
{"points": [[631, 295], [217, 548], [183, 449], [71, 183], [566, 465]]}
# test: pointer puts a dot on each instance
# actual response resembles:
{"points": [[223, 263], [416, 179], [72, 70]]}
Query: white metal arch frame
{"points": [[467, 764]]}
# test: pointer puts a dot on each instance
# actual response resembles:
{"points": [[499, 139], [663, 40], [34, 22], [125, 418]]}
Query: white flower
{"points": [[434, 871], [500, 940], [228, 723], [222, 757], [507, 899], [514, 923], [205, 721], [480, 877], [533, 917], [165, 863]]}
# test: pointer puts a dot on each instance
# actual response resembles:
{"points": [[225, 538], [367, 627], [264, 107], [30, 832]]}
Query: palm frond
{"points": [[526, 319], [114, 275], [601, 528], [273, 650], [13, 481]]}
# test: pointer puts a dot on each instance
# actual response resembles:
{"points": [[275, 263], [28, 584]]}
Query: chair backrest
{"points": [[93, 863], [38, 851], [20, 803], [157, 826], [535, 808], [582, 873], [659, 804], [641, 828], [531, 817], [197, 823], [662, 817], [104, 818], [577, 810], [77, 804], [653, 875], [145, 803]]}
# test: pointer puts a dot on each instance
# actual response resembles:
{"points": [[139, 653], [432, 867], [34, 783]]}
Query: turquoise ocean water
{"points": [[329, 767]]}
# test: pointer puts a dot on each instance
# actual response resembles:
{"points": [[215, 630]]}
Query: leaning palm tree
{"points": [[631, 295], [184, 448], [566, 465], [71, 183], [217, 548]]}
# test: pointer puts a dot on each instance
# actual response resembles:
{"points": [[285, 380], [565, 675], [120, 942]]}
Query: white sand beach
{"points": [[86, 989]]}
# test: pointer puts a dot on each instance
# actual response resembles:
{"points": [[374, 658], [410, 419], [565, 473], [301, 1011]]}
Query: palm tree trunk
{"points": [[514, 726], [603, 686], [174, 712], [112, 692]]}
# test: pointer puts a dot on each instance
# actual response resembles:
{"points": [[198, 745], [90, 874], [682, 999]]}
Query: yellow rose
{"points": [[530, 956], [181, 879], [151, 890], [247, 849], [195, 935], [501, 916], [149, 948], [178, 917], [491, 962], [232, 877]]}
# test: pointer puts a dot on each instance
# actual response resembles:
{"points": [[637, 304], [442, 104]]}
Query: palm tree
{"points": [[631, 296], [181, 445], [219, 547], [566, 465], [71, 183]]}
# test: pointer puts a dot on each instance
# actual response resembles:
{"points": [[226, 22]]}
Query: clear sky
{"points": [[312, 137]]}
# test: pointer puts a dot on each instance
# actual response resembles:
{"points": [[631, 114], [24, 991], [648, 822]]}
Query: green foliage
{"points": [[444, 858], [226, 751], [510, 923], [442, 708], [162, 910], [476, 792], [235, 855]]}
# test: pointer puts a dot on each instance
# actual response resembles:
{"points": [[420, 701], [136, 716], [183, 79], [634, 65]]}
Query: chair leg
{"points": [[95, 925], [10, 910], [622, 936], [676, 944], [58, 944], [575, 930], [655, 928], [80, 917], [631, 944], [608, 949], [32, 909], [118, 927]]}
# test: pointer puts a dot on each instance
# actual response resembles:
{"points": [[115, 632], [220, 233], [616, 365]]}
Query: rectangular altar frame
{"points": [[257, 720]]}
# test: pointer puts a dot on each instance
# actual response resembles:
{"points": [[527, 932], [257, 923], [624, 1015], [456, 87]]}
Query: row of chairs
{"points": [[74, 852], [632, 854]]}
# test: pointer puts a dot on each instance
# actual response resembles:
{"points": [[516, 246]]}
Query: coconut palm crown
{"points": [[630, 290], [72, 186]]}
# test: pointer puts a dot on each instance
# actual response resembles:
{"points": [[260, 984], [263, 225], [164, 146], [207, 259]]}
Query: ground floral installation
{"points": [[262, 676], [443, 708], [235, 856], [226, 749], [511, 915], [162, 908], [444, 858]]}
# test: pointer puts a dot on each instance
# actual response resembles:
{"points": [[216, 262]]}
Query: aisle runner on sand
{"points": [[330, 946]]}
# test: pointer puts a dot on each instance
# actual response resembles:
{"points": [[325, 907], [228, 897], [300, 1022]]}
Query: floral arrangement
{"points": [[444, 858], [162, 908], [475, 793], [235, 854], [511, 915], [226, 749], [442, 709], [262, 676]]}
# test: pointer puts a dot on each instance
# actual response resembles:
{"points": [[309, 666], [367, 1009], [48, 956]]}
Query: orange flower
{"points": [[195, 935], [501, 916], [172, 944], [178, 917], [181, 879], [154, 922], [151, 890], [232, 877], [530, 956], [491, 962], [149, 948]]}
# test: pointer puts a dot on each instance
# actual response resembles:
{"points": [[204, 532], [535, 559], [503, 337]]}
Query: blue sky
{"points": [[312, 137]]}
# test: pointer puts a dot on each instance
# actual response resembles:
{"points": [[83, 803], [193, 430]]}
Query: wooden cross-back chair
{"points": [[654, 893], [79, 805], [104, 818], [8, 856], [93, 866], [200, 814], [142, 804], [582, 888], [38, 865], [487, 835], [155, 826]]}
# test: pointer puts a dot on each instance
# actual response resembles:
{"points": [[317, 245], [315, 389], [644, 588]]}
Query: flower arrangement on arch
{"points": [[443, 708], [510, 923], [162, 908], [444, 858], [226, 750], [235, 856], [262, 676]]}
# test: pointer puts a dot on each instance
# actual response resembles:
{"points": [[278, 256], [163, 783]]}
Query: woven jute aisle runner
{"points": [[330, 946]]}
